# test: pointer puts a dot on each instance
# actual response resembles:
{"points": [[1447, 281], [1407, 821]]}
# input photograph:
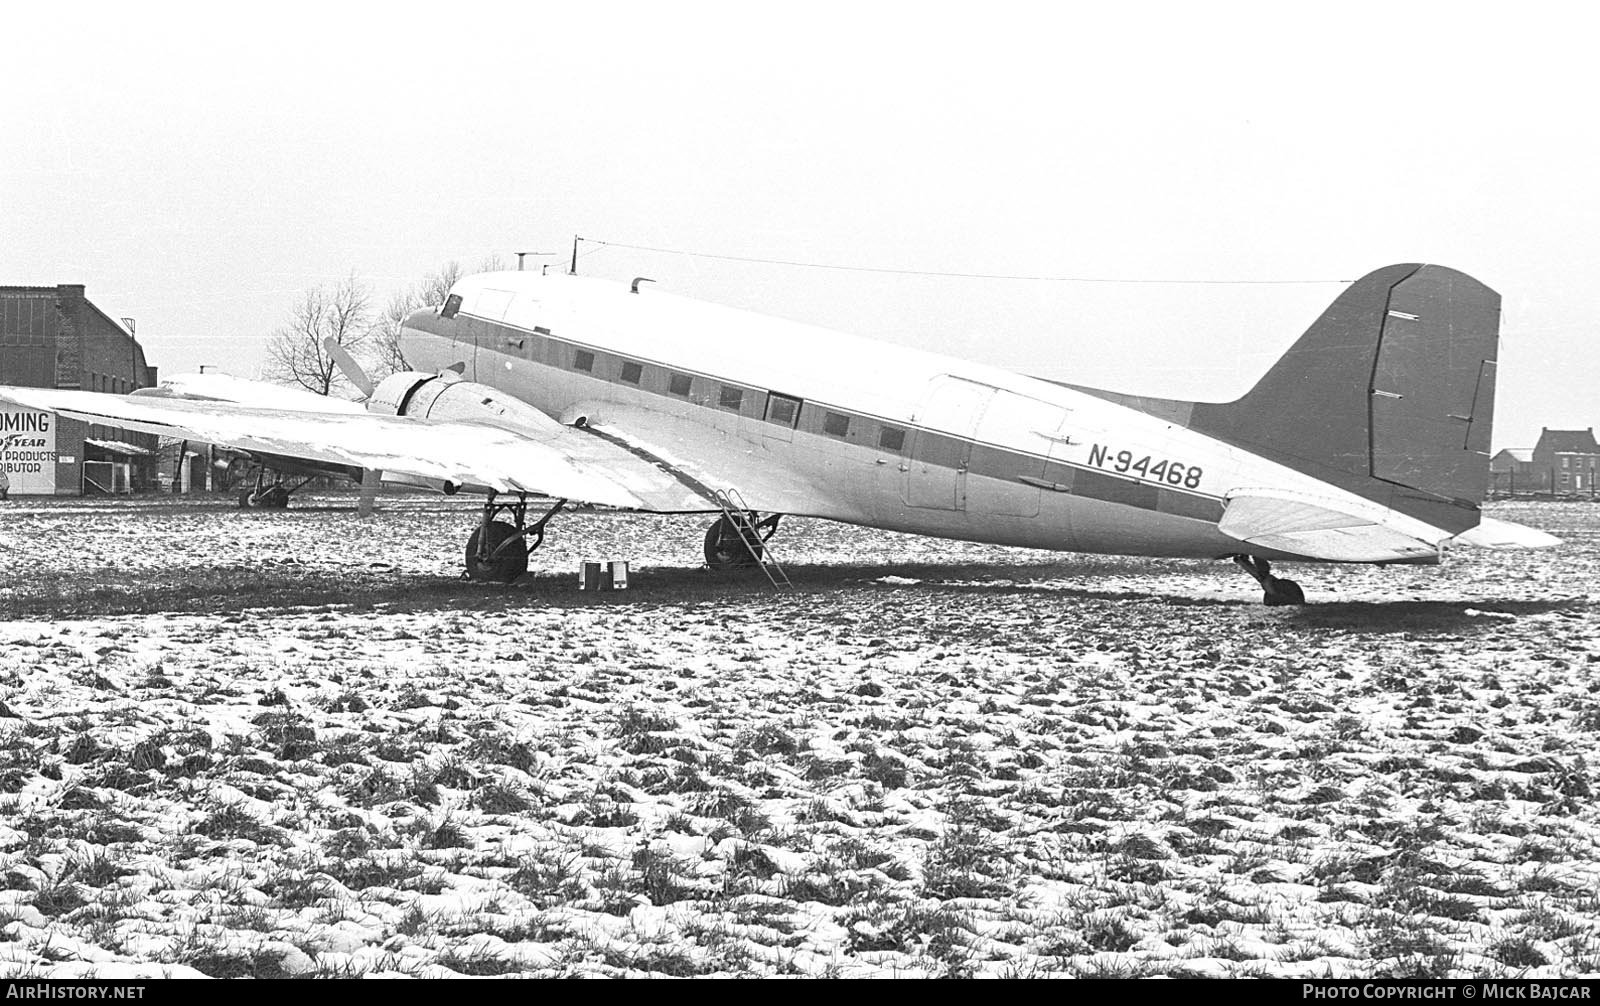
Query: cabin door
{"points": [[941, 447]]}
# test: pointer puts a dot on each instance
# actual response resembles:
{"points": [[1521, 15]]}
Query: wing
{"points": [[553, 460], [711, 462]]}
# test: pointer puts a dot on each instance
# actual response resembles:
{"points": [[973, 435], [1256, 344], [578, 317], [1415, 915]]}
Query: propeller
{"points": [[364, 384], [348, 365]]}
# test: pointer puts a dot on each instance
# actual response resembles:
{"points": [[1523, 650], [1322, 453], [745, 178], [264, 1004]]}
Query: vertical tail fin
{"points": [[1390, 394]]}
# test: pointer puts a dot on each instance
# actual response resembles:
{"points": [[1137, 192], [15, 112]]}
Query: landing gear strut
{"points": [[728, 548], [268, 496], [498, 550], [1278, 591]]}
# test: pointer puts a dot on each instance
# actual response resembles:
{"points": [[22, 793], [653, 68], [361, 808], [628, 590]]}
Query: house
{"points": [[1566, 461], [1511, 471]]}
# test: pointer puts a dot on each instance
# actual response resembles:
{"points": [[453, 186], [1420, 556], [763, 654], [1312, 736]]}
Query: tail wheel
{"points": [[1283, 592], [505, 567], [725, 549]]}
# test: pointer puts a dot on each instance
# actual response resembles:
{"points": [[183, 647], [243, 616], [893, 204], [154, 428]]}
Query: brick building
{"points": [[1566, 461], [53, 337]]}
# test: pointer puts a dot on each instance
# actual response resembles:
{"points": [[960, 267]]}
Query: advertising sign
{"points": [[28, 450]]}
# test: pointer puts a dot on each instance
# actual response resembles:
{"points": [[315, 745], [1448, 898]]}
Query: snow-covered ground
{"points": [[244, 742]]}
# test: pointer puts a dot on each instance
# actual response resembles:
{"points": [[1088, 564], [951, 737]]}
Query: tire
{"points": [[726, 550], [1284, 592], [271, 498], [505, 567]]}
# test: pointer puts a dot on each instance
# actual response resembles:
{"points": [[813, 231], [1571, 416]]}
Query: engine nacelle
{"points": [[447, 397], [391, 395]]}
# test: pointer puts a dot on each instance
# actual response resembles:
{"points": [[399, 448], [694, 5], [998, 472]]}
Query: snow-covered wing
{"points": [[1503, 534], [553, 461], [761, 479], [227, 388], [1327, 530]]}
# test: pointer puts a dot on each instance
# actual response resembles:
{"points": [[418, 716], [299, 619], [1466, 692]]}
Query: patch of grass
{"points": [[1519, 952], [911, 928], [966, 861], [501, 798], [360, 874], [262, 963], [59, 899], [233, 821], [97, 869], [885, 770], [1103, 933], [447, 833], [549, 881], [1407, 946], [294, 892], [635, 720], [497, 749], [477, 963], [768, 739], [253, 918], [667, 959], [289, 733], [120, 776], [662, 876], [106, 831]]}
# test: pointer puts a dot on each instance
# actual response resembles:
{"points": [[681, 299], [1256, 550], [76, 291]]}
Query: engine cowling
{"points": [[447, 397], [390, 397]]}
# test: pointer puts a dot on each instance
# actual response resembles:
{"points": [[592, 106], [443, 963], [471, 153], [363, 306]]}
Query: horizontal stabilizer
{"points": [[1502, 534], [1326, 530]]}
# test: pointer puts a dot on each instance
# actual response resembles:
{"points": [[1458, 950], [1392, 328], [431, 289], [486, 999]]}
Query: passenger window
{"points": [[835, 425], [732, 398], [632, 372], [583, 360], [452, 304], [680, 384], [891, 439], [782, 409]]}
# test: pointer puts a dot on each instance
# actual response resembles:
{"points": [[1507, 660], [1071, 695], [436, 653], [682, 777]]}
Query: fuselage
{"points": [[813, 422]]}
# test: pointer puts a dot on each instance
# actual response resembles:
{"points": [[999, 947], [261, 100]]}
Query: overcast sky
{"points": [[197, 170]]}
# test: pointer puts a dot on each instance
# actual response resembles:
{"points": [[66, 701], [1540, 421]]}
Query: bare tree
{"points": [[296, 354], [430, 290]]}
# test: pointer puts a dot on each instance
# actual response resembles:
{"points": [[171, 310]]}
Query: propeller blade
{"points": [[347, 363]]}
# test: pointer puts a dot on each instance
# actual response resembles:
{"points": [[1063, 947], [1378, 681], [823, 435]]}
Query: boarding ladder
{"points": [[740, 517]]}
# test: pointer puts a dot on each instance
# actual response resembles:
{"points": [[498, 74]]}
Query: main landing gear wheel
{"points": [[1276, 591], [727, 549], [496, 560], [273, 497], [499, 550]]}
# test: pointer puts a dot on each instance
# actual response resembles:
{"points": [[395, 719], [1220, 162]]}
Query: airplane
{"points": [[1367, 442]]}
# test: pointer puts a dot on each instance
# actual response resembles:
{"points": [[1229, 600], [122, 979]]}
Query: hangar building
{"points": [[53, 337]]}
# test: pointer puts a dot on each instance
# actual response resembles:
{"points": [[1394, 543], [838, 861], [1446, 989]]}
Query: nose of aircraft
{"points": [[424, 342]]}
